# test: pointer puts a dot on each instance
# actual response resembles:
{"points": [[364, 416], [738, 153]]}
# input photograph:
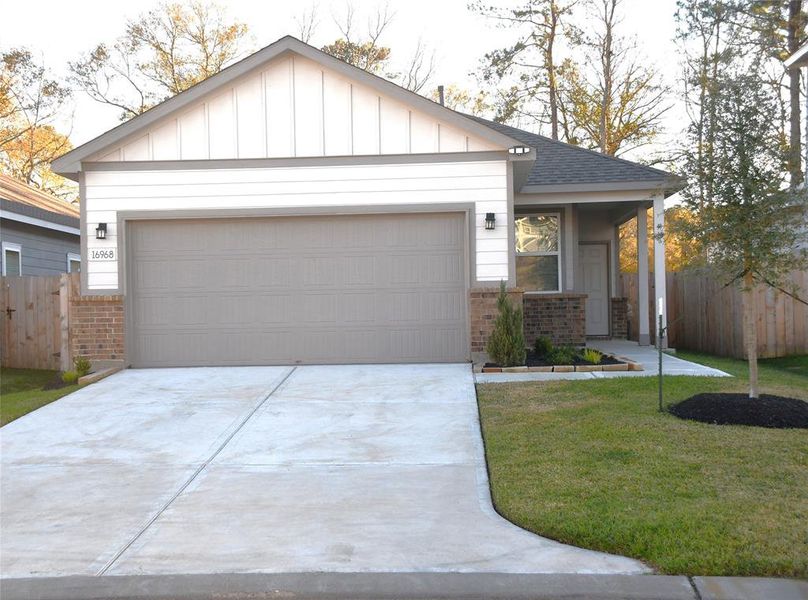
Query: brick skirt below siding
{"points": [[483, 312], [620, 318], [560, 317], [97, 327]]}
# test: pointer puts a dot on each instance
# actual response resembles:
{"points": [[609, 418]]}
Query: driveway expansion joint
{"points": [[195, 474]]}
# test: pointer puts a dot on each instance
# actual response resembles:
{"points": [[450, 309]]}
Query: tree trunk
{"points": [[551, 70], [609, 8], [795, 27], [750, 332]]}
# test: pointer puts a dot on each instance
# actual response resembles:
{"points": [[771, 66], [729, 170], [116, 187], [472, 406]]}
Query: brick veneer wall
{"points": [[97, 327], [560, 317], [483, 309], [620, 318]]}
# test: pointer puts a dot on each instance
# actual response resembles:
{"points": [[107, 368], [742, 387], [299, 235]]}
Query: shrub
{"points": [[506, 345], [70, 377], [591, 355], [82, 366], [542, 346], [563, 355]]}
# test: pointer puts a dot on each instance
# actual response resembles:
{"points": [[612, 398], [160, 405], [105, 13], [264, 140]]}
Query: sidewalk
{"points": [[647, 356], [403, 586]]}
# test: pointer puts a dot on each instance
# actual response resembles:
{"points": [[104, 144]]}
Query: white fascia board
{"points": [[798, 59]]}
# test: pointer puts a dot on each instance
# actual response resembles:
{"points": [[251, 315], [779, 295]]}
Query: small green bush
{"points": [[82, 365], [563, 355], [70, 377], [506, 345], [591, 355], [542, 346]]}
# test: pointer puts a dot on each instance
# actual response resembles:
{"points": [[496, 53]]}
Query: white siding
{"points": [[483, 183], [293, 107]]}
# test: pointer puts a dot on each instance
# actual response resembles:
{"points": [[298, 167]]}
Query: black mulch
{"points": [[533, 360], [738, 409]]}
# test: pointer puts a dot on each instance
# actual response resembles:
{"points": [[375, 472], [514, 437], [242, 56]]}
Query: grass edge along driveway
{"points": [[593, 464], [21, 392]]}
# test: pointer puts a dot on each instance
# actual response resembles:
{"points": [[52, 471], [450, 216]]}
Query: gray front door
{"points": [[289, 290], [593, 265]]}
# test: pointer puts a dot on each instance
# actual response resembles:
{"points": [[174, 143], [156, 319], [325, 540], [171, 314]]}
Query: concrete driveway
{"points": [[263, 469]]}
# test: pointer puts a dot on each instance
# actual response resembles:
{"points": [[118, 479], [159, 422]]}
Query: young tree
{"points": [[31, 104], [616, 102], [527, 71], [506, 344], [161, 54], [749, 224]]}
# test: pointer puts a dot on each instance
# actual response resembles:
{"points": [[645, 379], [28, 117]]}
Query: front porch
{"points": [[566, 264]]}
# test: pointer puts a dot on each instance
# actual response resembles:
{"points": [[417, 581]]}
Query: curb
{"points": [[401, 586]]}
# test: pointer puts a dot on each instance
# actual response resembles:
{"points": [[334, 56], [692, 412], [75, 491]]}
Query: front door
{"points": [[593, 269]]}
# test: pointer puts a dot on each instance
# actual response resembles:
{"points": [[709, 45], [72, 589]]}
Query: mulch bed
{"points": [[775, 412], [533, 360], [536, 361]]}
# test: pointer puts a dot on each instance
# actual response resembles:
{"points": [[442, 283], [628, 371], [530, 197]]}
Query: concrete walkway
{"points": [[647, 356], [264, 470]]}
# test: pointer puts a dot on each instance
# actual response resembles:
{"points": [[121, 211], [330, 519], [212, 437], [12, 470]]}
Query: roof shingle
{"points": [[559, 164]]}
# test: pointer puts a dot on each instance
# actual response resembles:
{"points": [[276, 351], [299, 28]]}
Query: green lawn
{"points": [[593, 463], [21, 392]]}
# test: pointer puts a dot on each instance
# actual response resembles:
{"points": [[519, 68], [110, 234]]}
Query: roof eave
{"points": [[667, 186], [70, 163]]}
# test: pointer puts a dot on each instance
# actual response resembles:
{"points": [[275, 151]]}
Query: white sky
{"points": [[61, 31]]}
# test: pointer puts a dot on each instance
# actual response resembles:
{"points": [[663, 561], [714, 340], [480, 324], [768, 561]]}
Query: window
{"points": [[73, 263], [538, 255], [12, 259]]}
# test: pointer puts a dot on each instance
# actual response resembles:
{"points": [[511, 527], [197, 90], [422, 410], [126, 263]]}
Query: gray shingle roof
{"points": [[559, 164]]}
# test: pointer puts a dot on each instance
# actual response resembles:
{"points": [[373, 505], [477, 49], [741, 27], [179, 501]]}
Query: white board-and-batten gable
{"points": [[293, 106]]}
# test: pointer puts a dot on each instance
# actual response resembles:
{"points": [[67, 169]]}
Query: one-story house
{"points": [[295, 209], [39, 233]]}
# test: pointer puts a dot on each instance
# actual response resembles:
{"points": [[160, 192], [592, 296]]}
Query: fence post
{"points": [[64, 321]]}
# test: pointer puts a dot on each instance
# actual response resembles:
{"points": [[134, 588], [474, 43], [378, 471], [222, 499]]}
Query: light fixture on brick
{"points": [[490, 220]]}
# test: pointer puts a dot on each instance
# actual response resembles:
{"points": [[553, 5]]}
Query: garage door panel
{"points": [[368, 288]]}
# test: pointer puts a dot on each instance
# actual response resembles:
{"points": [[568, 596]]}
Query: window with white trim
{"points": [[538, 252], [73, 263], [12, 259]]}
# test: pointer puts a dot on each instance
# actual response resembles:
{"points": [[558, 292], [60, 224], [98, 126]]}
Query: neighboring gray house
{"points": [[39, 234]]}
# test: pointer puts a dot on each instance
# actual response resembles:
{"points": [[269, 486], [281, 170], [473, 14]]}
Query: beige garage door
{"points": [[262, 291]]}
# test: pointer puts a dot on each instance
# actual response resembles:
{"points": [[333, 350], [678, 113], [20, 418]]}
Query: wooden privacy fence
{"points": [[34, 312], [710, 316]]}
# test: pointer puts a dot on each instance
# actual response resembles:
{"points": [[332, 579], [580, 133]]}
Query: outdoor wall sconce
{"points": [[490, 220], [519, 150], [101, 231]]}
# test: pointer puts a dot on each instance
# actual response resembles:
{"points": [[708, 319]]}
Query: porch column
{"points": [[644, 335], [570, 247], [659, 263]]}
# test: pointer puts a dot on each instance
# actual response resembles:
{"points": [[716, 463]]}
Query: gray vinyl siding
{"points": [[44, 251]]}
